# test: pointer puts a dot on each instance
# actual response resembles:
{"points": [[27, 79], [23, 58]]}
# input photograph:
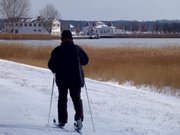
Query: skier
{"points": [[66, 63]]}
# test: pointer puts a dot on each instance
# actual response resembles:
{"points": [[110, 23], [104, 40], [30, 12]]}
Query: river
{"points": [[108, 42]]}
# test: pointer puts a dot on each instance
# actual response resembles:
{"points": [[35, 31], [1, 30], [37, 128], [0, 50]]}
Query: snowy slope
{"points": [[117, 110]]}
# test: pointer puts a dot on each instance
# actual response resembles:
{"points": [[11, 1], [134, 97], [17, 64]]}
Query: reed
{"points": [[159, 67], [33, 55], [17, 36]]}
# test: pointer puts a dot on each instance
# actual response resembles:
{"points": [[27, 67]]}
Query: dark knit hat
{"points": [[66, 34]]}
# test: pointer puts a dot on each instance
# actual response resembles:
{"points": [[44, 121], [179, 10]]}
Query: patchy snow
{"points": [[117, 109]]}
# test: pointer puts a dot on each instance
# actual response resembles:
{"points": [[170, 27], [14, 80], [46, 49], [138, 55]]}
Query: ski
{"points": [[59, 126], [78, 126], [77, 130], [56, 124], [62, 127]]}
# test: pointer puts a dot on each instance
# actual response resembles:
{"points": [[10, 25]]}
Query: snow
{"points": [[117, 109]]}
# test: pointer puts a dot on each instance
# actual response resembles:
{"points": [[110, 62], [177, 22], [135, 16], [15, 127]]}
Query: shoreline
{"points": [[144, 35], [12, 36]]}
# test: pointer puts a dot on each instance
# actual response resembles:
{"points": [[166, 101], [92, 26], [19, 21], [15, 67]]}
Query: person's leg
{"points": [[62, 105], [75, 94]]}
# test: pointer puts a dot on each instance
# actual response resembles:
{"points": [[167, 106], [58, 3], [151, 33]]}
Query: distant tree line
{"points": [[160, 26]]}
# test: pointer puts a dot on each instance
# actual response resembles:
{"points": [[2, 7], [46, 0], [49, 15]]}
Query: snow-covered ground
{"points": [[117, 110]]}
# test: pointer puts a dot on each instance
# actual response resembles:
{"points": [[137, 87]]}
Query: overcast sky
{"points": [[141, 10]]}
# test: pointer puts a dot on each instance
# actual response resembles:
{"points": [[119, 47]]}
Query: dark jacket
{"points": [[66, 62]]}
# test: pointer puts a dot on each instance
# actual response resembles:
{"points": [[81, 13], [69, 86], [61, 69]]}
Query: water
{"points": [[131, 42], [109, 42]]}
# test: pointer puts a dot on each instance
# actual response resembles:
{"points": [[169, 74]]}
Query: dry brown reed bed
{"points": [[153, 66], [158, 67], [18, 36]]}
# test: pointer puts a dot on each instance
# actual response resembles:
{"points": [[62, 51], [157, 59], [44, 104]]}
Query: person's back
{"points": [[65, 62]]}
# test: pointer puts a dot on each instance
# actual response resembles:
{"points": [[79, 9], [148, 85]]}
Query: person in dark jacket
{"points": [[66, 63]]}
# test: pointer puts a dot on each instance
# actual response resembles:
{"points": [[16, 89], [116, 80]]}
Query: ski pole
{"points": [[90, 108], [51, 99]]}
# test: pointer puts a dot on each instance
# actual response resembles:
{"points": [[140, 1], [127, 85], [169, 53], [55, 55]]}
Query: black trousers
{"points": [[75, 94]]}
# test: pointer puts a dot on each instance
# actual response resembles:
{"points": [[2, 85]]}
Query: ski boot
{"points": [[78, 125]]}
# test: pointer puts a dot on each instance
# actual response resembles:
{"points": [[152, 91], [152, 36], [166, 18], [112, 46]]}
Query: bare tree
{"points": [[13, 10], [156, 27], [134, 27], [49, 13]]}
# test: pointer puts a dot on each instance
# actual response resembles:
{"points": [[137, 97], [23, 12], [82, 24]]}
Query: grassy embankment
{"points": [[152, 66], [11, 36]]}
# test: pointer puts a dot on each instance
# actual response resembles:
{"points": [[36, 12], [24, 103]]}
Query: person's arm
{"points": [[84, 59], [51, 62]]}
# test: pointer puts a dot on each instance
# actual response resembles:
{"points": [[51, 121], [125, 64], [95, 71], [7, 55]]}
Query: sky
{"points": [[141, 10]]}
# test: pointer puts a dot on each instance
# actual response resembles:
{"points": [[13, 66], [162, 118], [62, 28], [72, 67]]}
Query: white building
{"points": [[56, 27], [72, 29], [30, 26], [100, 29]]}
